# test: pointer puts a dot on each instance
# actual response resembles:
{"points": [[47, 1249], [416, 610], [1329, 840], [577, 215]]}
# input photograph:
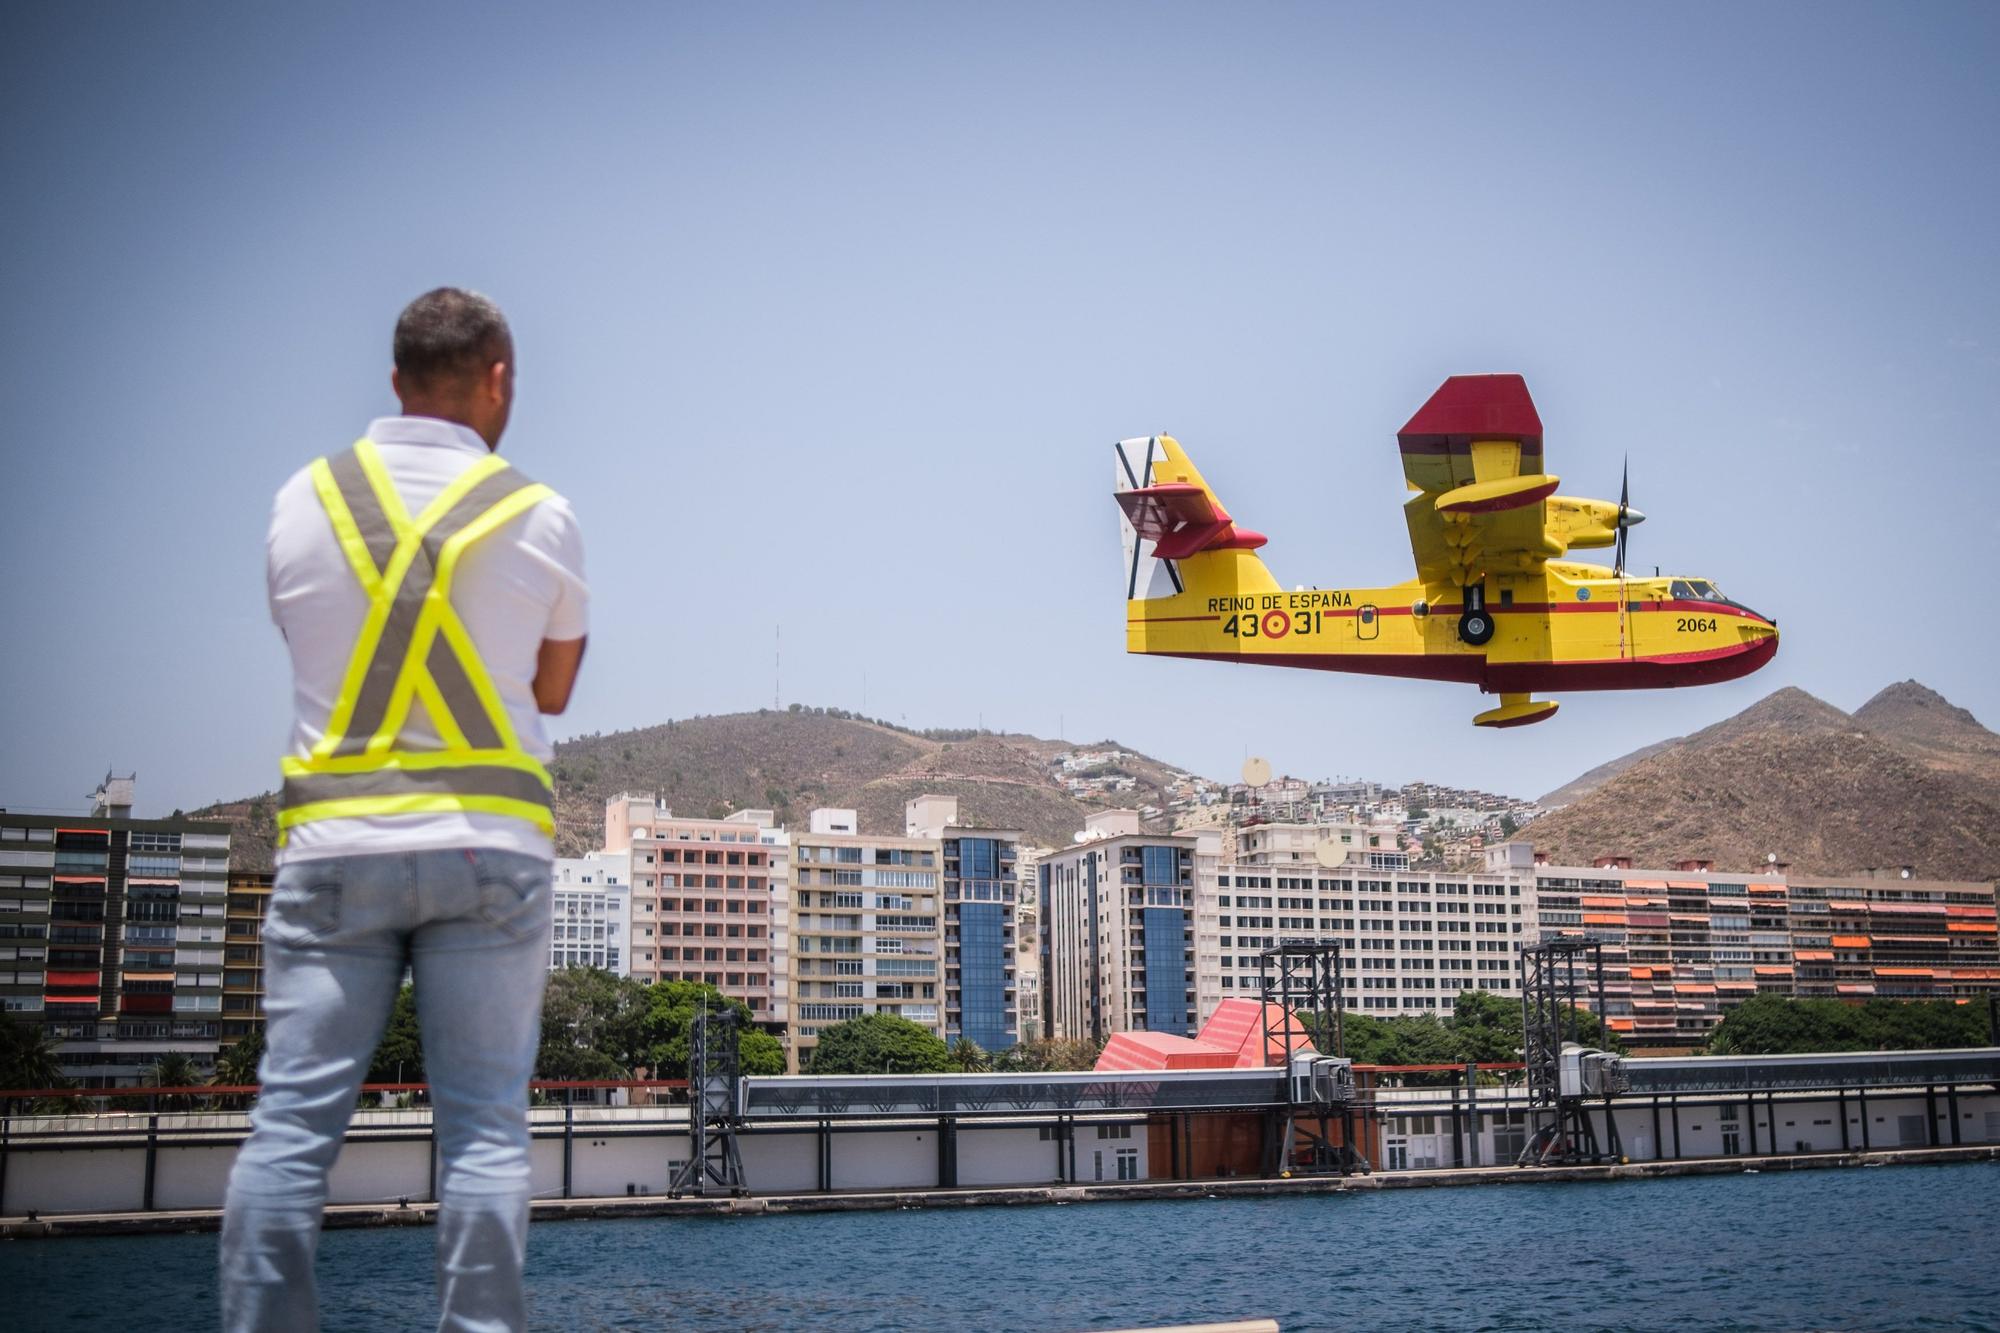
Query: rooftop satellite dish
{"points": [[1771, 858], [1256, 772], [1328, 855]]}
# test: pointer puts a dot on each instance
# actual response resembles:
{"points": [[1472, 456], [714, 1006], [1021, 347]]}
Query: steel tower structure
{"points": [[1299, 982], [1552, 974], [715, 1162]]}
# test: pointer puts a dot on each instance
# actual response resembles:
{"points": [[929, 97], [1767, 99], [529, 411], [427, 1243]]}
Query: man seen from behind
{"points": [[433, 603]]}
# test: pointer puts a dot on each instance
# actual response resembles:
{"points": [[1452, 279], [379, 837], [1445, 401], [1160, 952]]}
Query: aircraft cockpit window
{"points": [[1681, 589], [1703, 588]]}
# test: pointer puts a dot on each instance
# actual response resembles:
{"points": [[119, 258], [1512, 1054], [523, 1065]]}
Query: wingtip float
{"points": [[1496, 602]]}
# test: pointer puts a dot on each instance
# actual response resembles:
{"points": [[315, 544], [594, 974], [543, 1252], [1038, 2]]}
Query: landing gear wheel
{"points": [[1475, 627]]}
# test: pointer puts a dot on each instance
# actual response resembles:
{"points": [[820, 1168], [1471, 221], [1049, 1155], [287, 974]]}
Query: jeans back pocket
{"points": [[305, 903], [514, 892]]}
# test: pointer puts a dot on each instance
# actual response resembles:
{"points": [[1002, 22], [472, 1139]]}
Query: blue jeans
{"points": [[474, 928]]}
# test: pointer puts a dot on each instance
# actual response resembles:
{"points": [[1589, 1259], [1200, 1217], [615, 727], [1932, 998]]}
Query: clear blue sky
{"points": [[829, 315]]}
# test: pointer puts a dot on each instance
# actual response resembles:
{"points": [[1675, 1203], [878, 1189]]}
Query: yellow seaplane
{"points": [[1495, 603]]}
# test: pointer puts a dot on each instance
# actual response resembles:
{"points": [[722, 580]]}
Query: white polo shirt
{"points": [[514, 588]]}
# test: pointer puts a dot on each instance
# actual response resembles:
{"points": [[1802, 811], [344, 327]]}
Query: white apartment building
{"points": [[701, 899], [593, 912], [1117, 925], [865, 934], [1411, 940]]}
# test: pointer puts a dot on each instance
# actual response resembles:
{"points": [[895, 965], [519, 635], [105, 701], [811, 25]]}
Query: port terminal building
{"points": [[801, 1135]]}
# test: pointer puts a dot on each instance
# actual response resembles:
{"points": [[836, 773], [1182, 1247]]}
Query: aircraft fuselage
{"points": [[1566, 626]]}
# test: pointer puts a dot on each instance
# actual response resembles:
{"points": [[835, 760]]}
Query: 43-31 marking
{"points": [[1274, 624]]}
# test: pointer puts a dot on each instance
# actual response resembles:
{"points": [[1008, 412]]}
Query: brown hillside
{"points": [[1794, 776], [1790, 710], [1924, 724], [790, 762]]}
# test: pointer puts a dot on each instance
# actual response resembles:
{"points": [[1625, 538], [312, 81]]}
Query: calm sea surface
{"points": [[1887, 1248]]}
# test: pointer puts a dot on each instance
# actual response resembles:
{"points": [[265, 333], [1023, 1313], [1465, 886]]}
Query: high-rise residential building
{"points": [[243, 954], [1892, 935], [701, 899], [1681, 946], [1117, 918], [593, 912], [1684, 946], [112, 935], [980, 902], [777, 845], [1411, 940], [865, 929], [1028, 942]]}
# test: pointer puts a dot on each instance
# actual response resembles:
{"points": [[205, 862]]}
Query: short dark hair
{"points": [[449, 334]]}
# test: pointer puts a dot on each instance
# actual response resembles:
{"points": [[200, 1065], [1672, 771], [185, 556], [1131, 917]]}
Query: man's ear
{"points": [[396, 383], [496, 382]]}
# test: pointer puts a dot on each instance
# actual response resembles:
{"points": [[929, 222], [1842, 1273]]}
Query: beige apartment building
{"points": [[1411, 940], [702, 907], [865, 931]]}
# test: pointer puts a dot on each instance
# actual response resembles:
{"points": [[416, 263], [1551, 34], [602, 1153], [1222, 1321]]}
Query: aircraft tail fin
{"points": [[1175, 535]]}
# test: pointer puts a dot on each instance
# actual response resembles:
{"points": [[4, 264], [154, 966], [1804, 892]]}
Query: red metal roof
{"points": [[1161, 1050], [1237, 1025]]}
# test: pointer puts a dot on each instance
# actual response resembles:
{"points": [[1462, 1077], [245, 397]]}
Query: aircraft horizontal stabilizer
{"points": [[1182, 519]]}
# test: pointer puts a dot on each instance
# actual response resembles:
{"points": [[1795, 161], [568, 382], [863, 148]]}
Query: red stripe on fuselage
{"points": [[1664, 671]]}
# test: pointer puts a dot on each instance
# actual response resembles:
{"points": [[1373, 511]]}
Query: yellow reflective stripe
{"points": [[345, 530], [442, 720], [379, 481], [469, 661], [292, 766], [382, 600], [437, 606], [359, 807]]}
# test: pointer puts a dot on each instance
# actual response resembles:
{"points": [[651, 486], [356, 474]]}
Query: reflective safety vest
{"points": [[413, 648]]}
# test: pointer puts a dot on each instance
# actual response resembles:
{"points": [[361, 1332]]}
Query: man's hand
{"points": [[555, 673]]}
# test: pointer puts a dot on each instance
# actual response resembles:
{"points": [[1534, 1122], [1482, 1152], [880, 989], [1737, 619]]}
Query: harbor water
{"points": [[1880, 1248]]}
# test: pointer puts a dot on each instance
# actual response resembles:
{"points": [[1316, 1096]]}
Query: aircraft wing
{"points": [[1473, 454]]}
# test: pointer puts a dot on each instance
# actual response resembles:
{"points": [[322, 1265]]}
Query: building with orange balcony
{"points": [[1683, 946], [1894, 936]]}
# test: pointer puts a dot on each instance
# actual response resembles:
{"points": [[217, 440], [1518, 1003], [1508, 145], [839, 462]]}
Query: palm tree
{"points": [[175, 1070], [968, 1057], [236, 1066], [28, 1056]]}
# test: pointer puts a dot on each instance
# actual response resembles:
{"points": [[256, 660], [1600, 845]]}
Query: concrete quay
{"points": [[555, 1210]]}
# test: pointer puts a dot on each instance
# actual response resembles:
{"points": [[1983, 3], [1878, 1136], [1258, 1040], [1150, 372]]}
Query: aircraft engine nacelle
{"points": [[1574, 522]]}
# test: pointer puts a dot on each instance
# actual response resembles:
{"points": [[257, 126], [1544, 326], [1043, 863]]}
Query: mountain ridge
{"points": [[1916, 782]]}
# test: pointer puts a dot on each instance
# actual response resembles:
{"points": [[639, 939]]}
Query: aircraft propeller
{"points": [[1628, 517]]}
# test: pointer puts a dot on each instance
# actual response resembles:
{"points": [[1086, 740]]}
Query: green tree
{"points": [[593, 1025], [174, 1070], [28, 1056], [1781, 1025], [879, 1044], [236, 1066], [399, 1056], [969, 1057], [668, 1030], [1484, 1028], [1049, 1055]]}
